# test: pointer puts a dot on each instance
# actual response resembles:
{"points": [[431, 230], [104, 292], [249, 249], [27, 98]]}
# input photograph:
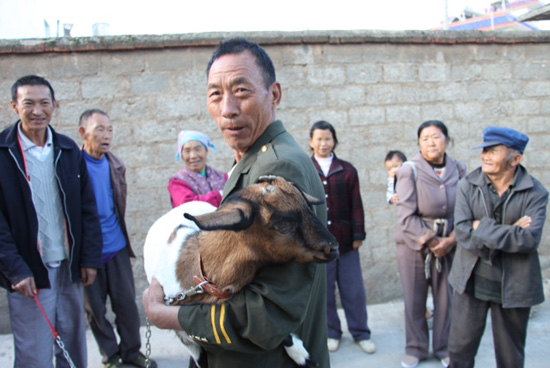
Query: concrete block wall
{"points": [[375, 87]]}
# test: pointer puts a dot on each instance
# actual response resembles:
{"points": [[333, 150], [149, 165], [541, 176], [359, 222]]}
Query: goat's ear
{"points": [[234, 217], [312, 200]]}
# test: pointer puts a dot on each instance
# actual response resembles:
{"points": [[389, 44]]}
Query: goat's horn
{"points": [[269, 189], [268, 178]]}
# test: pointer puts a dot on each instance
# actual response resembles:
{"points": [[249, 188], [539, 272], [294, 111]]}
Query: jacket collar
{"points": [[8, 139], [335, 166], [423, 165], [243, 166], [523, 179]]}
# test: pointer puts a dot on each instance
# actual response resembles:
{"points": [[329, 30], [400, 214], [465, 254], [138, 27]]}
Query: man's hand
{"points": [[357, 244], [26, 287], [524, 222], [161, 315], [87, 275], [443, 247], [475, 224]]}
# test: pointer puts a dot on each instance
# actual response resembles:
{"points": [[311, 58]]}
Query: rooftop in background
{"points": [[501, 15], [541, 13]]}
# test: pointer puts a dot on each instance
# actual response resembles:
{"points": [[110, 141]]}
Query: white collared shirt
{"points": [[30, 147]]}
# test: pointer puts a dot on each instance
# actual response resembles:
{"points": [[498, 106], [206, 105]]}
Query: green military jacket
{"points": [[248, 330]]}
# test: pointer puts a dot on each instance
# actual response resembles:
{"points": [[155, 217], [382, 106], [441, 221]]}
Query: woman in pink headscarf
{"points": [[196, 181]]}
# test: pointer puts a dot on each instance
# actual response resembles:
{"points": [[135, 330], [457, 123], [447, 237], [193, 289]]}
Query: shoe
{"points": [[367, 346], [333, 344], [409, 361], [446, 362], [140, 361], [114, 362]]}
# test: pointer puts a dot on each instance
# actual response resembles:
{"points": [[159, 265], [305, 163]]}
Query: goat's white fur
{"points": [[297, 351], [159, 255]]}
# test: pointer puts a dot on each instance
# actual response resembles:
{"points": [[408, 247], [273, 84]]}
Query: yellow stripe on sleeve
{"points": [[222, 322], [213, 318]]}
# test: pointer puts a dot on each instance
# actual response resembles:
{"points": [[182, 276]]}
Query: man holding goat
{"points": [[249, 329]]}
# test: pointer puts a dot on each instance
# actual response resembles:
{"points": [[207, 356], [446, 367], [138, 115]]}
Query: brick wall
{"points": [[375, 87]]}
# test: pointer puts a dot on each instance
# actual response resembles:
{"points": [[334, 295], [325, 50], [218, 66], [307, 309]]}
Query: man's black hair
{"points": [[30, 80], [238, 45]]}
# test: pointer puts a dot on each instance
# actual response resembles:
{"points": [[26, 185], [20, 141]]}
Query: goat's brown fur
{"points": [[270, 222]]}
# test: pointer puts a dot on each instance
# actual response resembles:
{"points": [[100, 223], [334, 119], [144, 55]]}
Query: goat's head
{"points": [[275, 220]]}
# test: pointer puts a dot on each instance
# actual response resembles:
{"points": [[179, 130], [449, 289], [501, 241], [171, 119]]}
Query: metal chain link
{"points": [[65, 352], [148, 343]]}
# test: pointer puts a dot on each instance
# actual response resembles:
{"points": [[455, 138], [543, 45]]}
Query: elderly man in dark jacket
{"points": [[50, 236], [499, 216], [115, 278]]}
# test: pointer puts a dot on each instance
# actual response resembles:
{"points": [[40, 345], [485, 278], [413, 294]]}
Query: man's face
{"points": [[239, 101], [35, 108], [494, 160], [97, 135]]}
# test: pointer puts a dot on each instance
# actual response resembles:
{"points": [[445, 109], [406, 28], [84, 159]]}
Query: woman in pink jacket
{"points": [[196, 181], [425, 239]]}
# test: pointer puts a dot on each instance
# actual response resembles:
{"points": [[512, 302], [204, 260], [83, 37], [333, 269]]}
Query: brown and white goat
{"points": [[209, 255]]}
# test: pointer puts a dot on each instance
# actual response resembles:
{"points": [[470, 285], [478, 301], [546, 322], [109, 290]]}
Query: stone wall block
{"points": [[403, 113], [346, 97], [364, 74], [326, 76], [434, 73], [400, 73]]}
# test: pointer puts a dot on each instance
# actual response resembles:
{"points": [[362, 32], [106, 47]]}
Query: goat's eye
{"points": [[284, 228]]}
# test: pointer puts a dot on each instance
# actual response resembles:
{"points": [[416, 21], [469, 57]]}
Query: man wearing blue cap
{"points": [[499, 216]]}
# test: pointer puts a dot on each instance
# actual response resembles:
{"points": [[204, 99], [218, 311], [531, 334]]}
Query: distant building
{"points": [[501, 15]]}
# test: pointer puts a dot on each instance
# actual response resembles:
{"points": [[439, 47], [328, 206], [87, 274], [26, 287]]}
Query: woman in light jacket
{"points": [[425, 239]]}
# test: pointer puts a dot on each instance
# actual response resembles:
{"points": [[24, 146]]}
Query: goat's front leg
{"points": [[197, 354], [296, 351]]}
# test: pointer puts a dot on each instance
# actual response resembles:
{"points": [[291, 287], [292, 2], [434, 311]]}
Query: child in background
{"points": [[393, 161]]}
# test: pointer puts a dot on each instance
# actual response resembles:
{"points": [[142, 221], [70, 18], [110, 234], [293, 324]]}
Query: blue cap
{"points": [[511, 138]]}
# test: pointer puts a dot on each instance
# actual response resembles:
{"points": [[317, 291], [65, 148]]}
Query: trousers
{"points": [[33, 339], [415, 293], [346, 273], [116, 281], [468, 322]]}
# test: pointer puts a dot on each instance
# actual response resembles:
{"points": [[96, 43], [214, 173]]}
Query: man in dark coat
{"points": [[50, 236], [499, 216]]}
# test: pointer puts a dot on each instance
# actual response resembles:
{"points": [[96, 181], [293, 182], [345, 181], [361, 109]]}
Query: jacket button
{"points": [[329, 222]]}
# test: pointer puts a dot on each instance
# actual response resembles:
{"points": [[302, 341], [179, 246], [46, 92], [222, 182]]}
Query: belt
{"points": [[440, 228]]}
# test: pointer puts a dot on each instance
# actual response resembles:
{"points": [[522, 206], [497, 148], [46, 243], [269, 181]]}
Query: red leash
{"points": [[55, 334]]}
